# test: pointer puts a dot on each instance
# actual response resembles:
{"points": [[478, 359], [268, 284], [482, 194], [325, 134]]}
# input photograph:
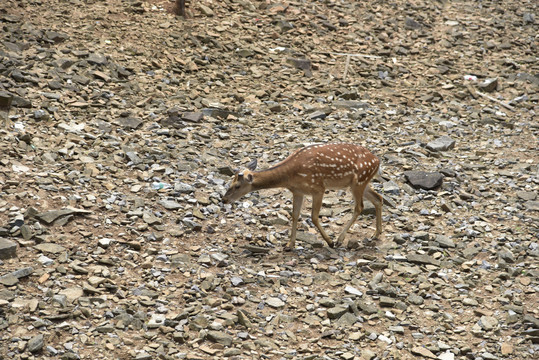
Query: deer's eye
{"points": [[237, 186]]}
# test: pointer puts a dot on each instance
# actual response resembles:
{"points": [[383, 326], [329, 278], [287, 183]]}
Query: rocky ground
{"points": [[126, 123]]}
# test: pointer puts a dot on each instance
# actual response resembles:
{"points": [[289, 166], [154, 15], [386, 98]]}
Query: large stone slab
{"points": [[424, 180]]}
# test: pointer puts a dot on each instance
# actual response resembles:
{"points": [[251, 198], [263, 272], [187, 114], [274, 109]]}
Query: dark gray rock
{"points": [[5, 100], [194, 117], [424, 180], [8, 249], [21, 102]]}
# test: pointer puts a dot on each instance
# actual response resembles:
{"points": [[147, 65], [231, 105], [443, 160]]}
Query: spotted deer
{"points": [[310, 171]]}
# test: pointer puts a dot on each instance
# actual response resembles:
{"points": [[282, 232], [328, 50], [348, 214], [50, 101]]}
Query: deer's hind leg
{"points": [[357, 192], [317, 204], [377, 201]]}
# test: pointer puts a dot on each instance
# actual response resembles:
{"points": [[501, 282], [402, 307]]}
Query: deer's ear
{"points": [[252, 165], [250, 178]]}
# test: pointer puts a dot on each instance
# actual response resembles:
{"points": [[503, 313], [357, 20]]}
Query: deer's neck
{"points": [[271, 178]]}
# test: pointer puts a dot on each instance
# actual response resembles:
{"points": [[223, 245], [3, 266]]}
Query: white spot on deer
{"points": [[301, 174]]}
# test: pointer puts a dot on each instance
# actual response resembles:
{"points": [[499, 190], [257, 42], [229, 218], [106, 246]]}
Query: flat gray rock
{"points": [[275, 302], [350, 104], [220, 337], [97, 59], [526, 195], [130, 123], [442, 143], [194, 117], [336, 312], [23, 272], [8, 249], [8, 280], [444, 241], [50, 248], [49, 217], [35, 344], [424, 180], [422, 259], [170, 204], [532, 205]]}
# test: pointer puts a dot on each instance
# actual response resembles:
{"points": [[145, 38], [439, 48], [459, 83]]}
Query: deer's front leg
{"points": [[297, 203]]}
